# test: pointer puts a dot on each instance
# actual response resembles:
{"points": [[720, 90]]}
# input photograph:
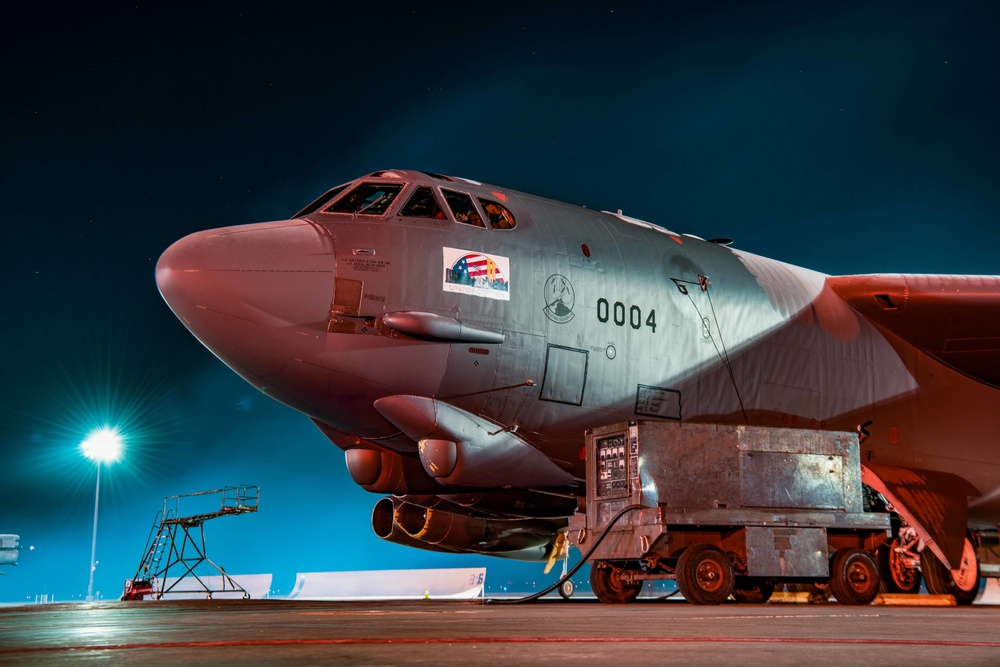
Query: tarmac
{"points": [[547, 632]]}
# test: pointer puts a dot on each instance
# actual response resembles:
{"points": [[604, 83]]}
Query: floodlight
{"points": [[103, 445]]}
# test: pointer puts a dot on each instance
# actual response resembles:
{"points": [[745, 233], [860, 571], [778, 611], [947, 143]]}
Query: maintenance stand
{"points": [[177, 543]]}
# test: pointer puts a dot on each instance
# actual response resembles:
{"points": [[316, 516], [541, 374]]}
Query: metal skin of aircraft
{"points": [[456, 339]]}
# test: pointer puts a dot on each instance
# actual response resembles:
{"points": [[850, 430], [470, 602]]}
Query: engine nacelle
{"points": [[462, 532], [389, 472], [438, 530], [385, 526], [523, 503]]}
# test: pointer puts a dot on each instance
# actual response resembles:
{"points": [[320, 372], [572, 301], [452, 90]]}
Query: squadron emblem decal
{"points": [[559, 299], [476, 273]]}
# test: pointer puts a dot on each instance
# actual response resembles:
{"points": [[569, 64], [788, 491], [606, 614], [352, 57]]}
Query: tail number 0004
{"points": [[622, 315]]}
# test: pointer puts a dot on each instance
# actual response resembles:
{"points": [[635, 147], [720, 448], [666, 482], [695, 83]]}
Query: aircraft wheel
{"points": [[606, 581], [566, 589], [752, 590], [854, 577], [895, 574], [962, 583], [705, 575]]}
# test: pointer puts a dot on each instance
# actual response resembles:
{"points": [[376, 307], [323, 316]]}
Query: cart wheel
{"points": [[704, 575], [606, 581], [962, 583], [566, 589], [753, 590], [854, 577], [895, 574]]}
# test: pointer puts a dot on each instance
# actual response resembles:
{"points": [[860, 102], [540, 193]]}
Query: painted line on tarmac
{"points": [[355, 641]]}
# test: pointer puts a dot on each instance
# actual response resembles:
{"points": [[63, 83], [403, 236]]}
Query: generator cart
{"points": [[726, 510]]}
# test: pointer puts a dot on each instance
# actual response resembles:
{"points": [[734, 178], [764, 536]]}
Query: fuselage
{"points": [[600, 319]]}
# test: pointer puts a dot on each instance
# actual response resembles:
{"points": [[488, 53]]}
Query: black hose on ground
{"points": [[572, 571]]}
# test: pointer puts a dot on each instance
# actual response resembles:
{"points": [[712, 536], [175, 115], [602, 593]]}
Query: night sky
{"points": [[843, 137]]}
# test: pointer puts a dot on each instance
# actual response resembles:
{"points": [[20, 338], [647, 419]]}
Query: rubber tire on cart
{"points": [[566, 589], [705, 575], [940, 581], [895, 575], [606, 582], [753, 590], [854, 576]]}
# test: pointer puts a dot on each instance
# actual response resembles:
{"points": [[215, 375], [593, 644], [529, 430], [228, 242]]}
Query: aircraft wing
{"points": [[955, 319]]}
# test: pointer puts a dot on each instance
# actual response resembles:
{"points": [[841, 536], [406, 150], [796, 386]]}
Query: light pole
{"points": [[102, 446]]}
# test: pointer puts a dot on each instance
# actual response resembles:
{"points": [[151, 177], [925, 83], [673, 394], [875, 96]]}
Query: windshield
{"points": [[367, 199], [321, 201]]}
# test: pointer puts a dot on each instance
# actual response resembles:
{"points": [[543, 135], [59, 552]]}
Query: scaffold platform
{"points": [[176, 543]]}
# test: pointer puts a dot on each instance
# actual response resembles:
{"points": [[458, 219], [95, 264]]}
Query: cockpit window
{"points": [[438, 176], [320, 202], [462, 208], [422, 204], [499, 215], [367, 199]]}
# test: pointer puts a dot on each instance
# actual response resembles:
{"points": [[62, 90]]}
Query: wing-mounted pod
{"points": [[438, 530], [431, 326], [509, 503], [460, 449], [385, 526], [382, 471], [379, 469]]}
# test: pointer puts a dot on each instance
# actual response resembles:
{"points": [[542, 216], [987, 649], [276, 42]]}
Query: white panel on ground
{"points": [[443, 584], [990, 593], [257, 585]]}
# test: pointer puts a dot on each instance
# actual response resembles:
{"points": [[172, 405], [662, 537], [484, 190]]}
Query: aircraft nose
{"points": [[235, 288]]}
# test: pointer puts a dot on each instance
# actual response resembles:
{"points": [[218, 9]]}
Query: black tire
{"points": [[566, 589], [854, 577], [939, 579], [606, 582], [705, 575], [752, 590], [895, 575]]}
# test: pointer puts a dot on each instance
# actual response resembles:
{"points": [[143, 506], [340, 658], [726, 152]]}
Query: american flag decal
{"points": [[476, 273]]}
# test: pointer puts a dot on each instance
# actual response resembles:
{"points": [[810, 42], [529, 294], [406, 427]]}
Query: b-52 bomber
{"points": [[456, 339]]}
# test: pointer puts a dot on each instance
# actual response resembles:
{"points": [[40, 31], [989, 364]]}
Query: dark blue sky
{"points": [[844, 137]]}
